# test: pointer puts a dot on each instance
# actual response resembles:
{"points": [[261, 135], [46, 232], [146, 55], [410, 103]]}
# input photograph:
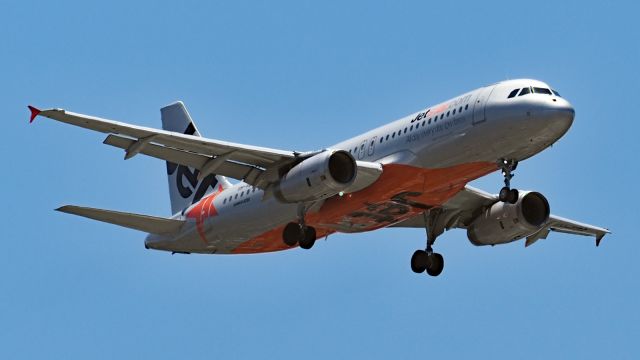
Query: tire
{"points": [[435, 264], [504, 194], [419, 261], [513, 196], [309, 238], [291, 234]]}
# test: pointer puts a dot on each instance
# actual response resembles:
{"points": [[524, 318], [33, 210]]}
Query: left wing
{"points": [[255, 165], [463, 208]]}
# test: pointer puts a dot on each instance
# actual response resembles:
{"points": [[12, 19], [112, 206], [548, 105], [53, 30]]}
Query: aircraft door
{"points": [[479, 105], [372, 145], [362, 150]]}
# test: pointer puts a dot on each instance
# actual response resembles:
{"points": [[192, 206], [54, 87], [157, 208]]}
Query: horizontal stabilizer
{"points": [[146, 223]]}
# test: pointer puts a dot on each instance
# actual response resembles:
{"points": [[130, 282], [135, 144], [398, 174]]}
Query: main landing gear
{"points": [[427, 260], [299, 233], [507, 194]]}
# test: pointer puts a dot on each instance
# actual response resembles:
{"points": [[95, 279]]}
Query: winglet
{"points": [[34, 112], [599, 238]]}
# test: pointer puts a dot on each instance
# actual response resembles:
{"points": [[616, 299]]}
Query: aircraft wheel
{"points": [[513, 196], [504, 194], [419, 261], [309, 238], [435, 264], [292, 234]]}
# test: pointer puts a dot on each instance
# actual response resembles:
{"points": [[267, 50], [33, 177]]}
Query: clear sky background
{"points": [[303, 75]]}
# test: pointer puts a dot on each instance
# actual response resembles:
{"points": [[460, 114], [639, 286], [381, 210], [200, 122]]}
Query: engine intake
{"points": [[318, 177], [504, 222]]}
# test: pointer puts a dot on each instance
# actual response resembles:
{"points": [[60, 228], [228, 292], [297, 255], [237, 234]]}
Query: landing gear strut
{"points": [[299, 233], [507, 194], [427, 260]]}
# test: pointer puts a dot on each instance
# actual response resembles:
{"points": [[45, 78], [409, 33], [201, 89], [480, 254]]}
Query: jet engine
{"points": [[505, 222], [318, 177]]}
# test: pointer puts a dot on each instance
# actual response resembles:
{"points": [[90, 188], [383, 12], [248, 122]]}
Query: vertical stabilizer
{"points": [[184, 187]]}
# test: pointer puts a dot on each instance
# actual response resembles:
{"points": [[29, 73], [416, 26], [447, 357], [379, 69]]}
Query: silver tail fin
{"points": [[184, 187]]}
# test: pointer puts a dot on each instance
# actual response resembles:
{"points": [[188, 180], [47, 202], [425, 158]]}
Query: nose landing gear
{"points": [[507, 194]]}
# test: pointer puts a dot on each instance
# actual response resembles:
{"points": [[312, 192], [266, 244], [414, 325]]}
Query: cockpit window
{"points": [[538, 90], [525, 91], [556, 93], [513, 93]]}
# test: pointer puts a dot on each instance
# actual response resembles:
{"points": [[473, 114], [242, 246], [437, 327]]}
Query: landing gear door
{"points": [[479, 105]]}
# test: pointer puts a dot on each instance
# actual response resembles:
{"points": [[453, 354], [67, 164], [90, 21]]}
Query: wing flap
{"points": [[254, 155], [567, 226], [146, 223], [198, 161]]}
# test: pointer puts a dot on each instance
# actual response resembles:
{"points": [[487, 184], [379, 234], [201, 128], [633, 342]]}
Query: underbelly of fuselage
{"points": [[402, 191]]}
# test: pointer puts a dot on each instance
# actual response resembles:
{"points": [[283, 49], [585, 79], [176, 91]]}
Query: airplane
{"points": [[411, 173]]}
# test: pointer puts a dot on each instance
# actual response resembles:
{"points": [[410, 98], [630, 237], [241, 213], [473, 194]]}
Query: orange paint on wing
{"points": [[401, 192]]}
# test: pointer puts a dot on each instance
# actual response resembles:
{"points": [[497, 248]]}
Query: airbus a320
{"points": [[410, 173]]}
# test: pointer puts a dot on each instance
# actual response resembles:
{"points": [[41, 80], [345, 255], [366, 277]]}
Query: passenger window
{"points": [[513, 93], [381, 138], [525, 91], [224, 201], [405, 130], [466, 107], [538, 90], [236, 196], [411, 129], [448, 113], [460, 110], [429, 121], [454, 111], [386, 137], [424, 123], [441, 116], [393, 135]]}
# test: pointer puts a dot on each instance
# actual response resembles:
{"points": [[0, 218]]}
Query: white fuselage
{"points": [[479, 127]]}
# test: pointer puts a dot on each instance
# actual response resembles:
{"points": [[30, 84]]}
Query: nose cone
{"points": [[562, 111], [556, 113]]}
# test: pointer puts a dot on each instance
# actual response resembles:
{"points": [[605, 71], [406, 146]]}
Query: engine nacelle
{"points": [[318, 177], [504, 222]]}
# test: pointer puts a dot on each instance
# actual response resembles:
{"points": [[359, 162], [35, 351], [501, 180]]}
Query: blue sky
{"points": [[303, 75]]}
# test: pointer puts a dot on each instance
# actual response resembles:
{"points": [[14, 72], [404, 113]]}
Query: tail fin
{"points": [[184, 187]]}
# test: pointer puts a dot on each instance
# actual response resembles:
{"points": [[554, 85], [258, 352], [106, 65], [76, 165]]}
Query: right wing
{"points": [[255, 165], [463, 208]]}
